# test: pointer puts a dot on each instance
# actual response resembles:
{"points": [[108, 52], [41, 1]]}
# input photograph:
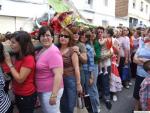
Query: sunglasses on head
{"points": [[65, 36]]}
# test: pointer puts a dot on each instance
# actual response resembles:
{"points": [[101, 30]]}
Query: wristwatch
{"points": [[10, 65], [79, 53]]}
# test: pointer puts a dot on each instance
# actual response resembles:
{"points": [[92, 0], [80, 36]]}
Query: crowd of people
{"points": [[78, 61]]}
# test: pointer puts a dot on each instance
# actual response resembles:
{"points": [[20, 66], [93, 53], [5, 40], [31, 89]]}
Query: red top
{"points": [[28, 86], [5, 67]]}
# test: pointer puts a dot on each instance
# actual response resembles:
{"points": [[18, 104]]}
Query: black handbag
{"points": [[88, 103]]}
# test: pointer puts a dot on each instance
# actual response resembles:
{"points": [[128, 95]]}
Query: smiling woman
{"points": [[49, 70], [71, 74]]}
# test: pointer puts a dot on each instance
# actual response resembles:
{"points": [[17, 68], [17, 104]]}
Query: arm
{"points": [[75, 62], [137, 60], [21, 76], [91, 64], [82, 55], [58, 72]]}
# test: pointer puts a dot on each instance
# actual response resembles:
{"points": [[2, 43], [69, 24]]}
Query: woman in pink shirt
{"points": [[49, 71]]}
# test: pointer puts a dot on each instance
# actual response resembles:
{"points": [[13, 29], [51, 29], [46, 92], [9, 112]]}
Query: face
{"points": [[100, 33], [93, 35], [46, 39], [76, 37], [117, 33], [125, 31], [83, 38], [64, 38], [15, 45]]}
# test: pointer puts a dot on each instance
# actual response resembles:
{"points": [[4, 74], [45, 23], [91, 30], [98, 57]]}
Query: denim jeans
{"points": [[44, 101], [25, 104], [68, 100], [93, 92], [104, 79]]}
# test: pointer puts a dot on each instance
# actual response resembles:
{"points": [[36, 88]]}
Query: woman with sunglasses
{"points": [[49, 71], [71, 75]]}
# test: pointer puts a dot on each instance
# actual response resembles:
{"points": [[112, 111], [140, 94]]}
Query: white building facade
{"points": [[19, 14], [139, 12], [99, 12], [102, 12]]}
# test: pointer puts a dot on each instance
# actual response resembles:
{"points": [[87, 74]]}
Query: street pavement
{"points": [[123, 105]]}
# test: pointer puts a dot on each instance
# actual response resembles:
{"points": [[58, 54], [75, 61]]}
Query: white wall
{"points": [[12, 24], [22, 9]]}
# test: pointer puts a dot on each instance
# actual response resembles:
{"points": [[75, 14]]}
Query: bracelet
{"points": [[78, 83], [10, 66], [79, 54], [53, 96]]}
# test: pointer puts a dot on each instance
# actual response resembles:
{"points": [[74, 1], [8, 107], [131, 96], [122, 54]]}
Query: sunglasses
{"points": [[65, 36]]}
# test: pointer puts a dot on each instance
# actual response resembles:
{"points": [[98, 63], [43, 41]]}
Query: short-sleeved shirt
{"points": [[28, 86], [142, 52], [51, 58], [82, 47]]}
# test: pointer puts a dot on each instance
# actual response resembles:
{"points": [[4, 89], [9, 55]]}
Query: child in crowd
{"points": [[106, 52]]}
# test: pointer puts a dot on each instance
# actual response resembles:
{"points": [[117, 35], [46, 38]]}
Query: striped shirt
{"points": [[4, 99]]}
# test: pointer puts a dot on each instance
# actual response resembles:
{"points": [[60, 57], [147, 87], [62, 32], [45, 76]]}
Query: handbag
{"points": [[87, 102]]}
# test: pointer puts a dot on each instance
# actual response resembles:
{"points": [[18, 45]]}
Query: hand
{"points": [[126, 61], [52, 100], [79, 89], [143, 59], [76, 49], [7, 58], [91, 81]]}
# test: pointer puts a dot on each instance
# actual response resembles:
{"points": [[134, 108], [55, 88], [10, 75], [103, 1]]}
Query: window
{"points": [[106, 2], [141, 6], [146, 9], [89, 2], [134, 3]]}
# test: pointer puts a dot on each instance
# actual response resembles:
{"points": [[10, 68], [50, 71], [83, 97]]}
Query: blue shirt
{"points": [[90, 59], [142, 52]]}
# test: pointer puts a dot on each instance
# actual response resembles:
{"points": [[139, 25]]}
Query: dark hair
{"points": [[146, 66], [24, 40], [110, 31], [43, 30], [1, 53], [8, 35], [100, 27], [138, 32]]}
